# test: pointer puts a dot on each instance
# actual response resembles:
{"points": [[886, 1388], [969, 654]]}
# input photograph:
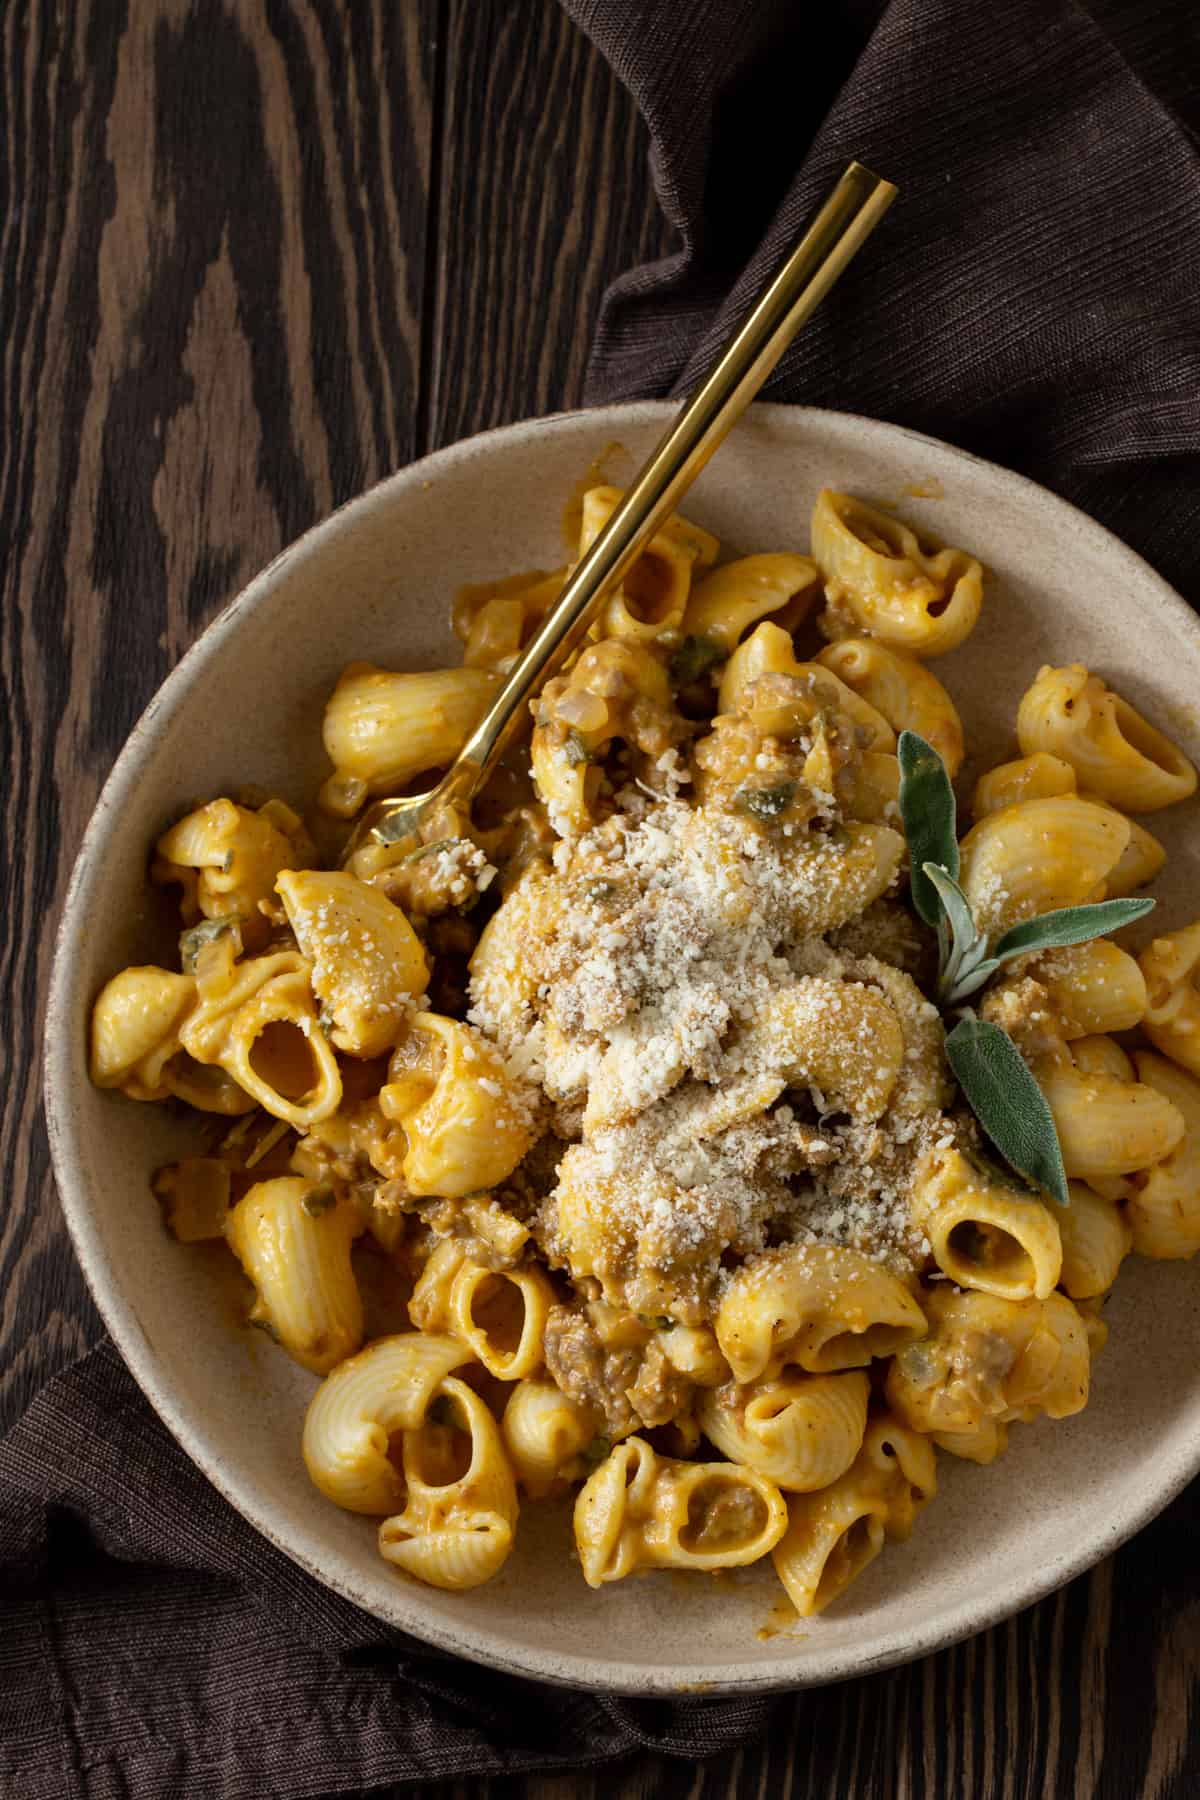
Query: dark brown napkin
{"points": [[153, 1645], [1035, 296], [1034, 293]]}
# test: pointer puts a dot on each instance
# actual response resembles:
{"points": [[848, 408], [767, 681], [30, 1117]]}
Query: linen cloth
{"points": [[1035, 296]]}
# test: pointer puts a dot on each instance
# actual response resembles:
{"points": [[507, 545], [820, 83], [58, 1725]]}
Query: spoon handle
{"points": [[847, 218]]}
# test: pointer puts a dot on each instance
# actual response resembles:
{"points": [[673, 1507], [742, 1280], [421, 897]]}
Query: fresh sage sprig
{"points": [[966, 958], [990, 1070], [968, 963]]}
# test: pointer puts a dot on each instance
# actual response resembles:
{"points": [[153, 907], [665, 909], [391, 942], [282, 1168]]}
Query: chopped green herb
{"points": [[600, 890], [597, 1450], [655, 1321], [193, 940], [575, 750], [825, 725], [694, 658], [768, 802], [227, 864], [922, 1363], [430, 849], [318, 1200]]}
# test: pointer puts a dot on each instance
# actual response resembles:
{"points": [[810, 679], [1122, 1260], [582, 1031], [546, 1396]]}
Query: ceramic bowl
{"points": [[376, 581]]}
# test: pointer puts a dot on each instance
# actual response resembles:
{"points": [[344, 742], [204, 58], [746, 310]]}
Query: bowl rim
{"points": [[573, 1670]]}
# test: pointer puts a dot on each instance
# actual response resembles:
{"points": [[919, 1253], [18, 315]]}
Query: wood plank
{"points": [[544, 195], [1090, 1694], [212, 261]]}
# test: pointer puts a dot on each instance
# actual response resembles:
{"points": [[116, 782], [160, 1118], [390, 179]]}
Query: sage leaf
{"points": [[927, 812], [1008, 1103], [1069, 925], [966, 946], [970, 981]]}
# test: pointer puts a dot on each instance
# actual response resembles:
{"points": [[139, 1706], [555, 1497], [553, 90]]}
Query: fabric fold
{"points": [[152, 1641], [1031, 295]]}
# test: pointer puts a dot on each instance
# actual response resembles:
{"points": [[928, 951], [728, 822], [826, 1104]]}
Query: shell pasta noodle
{"points": [[1113, 750], [293, 1240], [601, 1149], [832, 1535], [640, 1510], [984, 1233], [382, 729], [880, 578]]}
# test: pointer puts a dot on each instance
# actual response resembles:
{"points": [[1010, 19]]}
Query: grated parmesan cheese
{"points": [[633, 983]]}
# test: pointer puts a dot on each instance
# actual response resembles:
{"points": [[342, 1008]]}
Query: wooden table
{"points": [[254, 254]]}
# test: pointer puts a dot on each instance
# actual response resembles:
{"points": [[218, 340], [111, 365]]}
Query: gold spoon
{"points": [[842, 226]]}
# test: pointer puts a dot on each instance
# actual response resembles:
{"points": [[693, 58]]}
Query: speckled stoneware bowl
{"points": [[376, 581]]}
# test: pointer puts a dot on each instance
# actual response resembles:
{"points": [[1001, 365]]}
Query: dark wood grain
{"points": [[212, 274], [252, 256], [544, 195]]}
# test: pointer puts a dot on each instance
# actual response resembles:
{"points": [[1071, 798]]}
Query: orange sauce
{"points": [[780, 1622], [597, 474]]}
